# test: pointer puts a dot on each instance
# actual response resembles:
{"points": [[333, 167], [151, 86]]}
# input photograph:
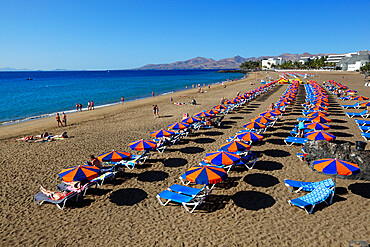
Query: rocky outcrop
{"points": [[323, 149]]}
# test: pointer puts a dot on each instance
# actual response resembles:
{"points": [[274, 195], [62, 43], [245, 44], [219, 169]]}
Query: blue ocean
{"points": [[30, 95]]}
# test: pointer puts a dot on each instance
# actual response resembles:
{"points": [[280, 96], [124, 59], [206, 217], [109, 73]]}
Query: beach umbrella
{"points": [[178, 126], [317, 126], [254, 125], [249, 136], [317, 114], [320, 135], [191, 120], [262, 120], [319, 108], [336, 167], [114, 156], [235, 146], [319, 119], [202, 114], [221, 158], [360, 98], [365, 104], [276, 111], [141, 145], [268, 114], [351, 91], [162, 133], [79, 173], [205, 174], [212, 112], [220, 107]]}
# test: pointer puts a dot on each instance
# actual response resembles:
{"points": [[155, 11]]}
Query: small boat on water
{"points": [[29, 79]]}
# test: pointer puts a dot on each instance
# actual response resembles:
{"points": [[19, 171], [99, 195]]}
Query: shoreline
{"points": [[18, 129], [68, 111]]}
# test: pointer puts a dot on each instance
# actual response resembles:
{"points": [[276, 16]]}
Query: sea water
{"points": [[48, 92]]}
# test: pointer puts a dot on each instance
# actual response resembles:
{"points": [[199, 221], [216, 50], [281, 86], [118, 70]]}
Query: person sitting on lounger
{"points": [[95, 162], [301, 129], [53, 195]]}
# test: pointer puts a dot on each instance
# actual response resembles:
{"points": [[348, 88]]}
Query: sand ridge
{"points": [[250, 209]]}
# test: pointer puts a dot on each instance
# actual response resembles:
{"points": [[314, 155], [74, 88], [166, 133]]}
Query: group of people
{"points": [[90, 105], [78, 106], [61, 122], [156, 111]]}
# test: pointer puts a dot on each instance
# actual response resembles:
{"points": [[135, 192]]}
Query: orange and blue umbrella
{"points": [[319, 119], [79, 173], [213, 112], [319, 108], [254, 125], [317, 126], [262, 120], [162, 133], [202, 114], [317, 114], [235, 146], [320, 135], [360, 98], [276, 111], [141, 145], [178, 126], [269, 114], [220, 107], [336, 167], [221, 158], [191, 120], [365, 104], [351, 91], [114, 156], [249, 136], [206, 174]]}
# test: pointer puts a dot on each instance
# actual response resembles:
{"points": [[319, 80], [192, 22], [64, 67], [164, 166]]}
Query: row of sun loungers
{"points": [[189, 197]]}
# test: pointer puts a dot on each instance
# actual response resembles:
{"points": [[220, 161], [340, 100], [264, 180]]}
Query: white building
{"points": [[267, 63], [337, 57], [355, 61]]}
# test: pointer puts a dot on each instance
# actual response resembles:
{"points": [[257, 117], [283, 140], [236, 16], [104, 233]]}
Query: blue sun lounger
{"points": [[180, 194], [248, 161], [295, 140], [363, 114], [317, 196], [302, 155], [308, 186], [365, 129], [362, 122], [355, 106], [40, 198], [302, 119], [366, 136]]}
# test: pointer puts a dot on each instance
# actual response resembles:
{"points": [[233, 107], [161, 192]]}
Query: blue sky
{"points": [[98, 34]]}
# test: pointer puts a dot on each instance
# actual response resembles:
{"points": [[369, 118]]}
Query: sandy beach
{"points": [[249, 209]]}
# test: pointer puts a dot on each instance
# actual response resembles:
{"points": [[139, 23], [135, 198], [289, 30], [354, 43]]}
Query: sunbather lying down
{"points": [[53, 195], [45, 137]]}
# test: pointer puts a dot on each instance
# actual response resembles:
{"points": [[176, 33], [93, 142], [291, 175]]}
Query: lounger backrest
{"points": [[318, 195]]}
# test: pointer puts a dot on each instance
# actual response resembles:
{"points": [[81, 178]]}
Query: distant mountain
{"points": [[226, 63], [12, 69]]}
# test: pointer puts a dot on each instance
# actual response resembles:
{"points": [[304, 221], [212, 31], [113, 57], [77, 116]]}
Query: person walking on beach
{"points": [[77, 106], [152, 93], [80, 105], [157, 110], [154, 111], [65, 119], [58, 120], [88, 105], [92, 105], [122, 100]]}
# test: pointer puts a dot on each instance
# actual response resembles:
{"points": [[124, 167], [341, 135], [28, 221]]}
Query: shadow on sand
{"points": [[253, 200], [128, 197]]}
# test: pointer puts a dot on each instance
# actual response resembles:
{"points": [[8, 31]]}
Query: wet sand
{"points": [[249, 209]]}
